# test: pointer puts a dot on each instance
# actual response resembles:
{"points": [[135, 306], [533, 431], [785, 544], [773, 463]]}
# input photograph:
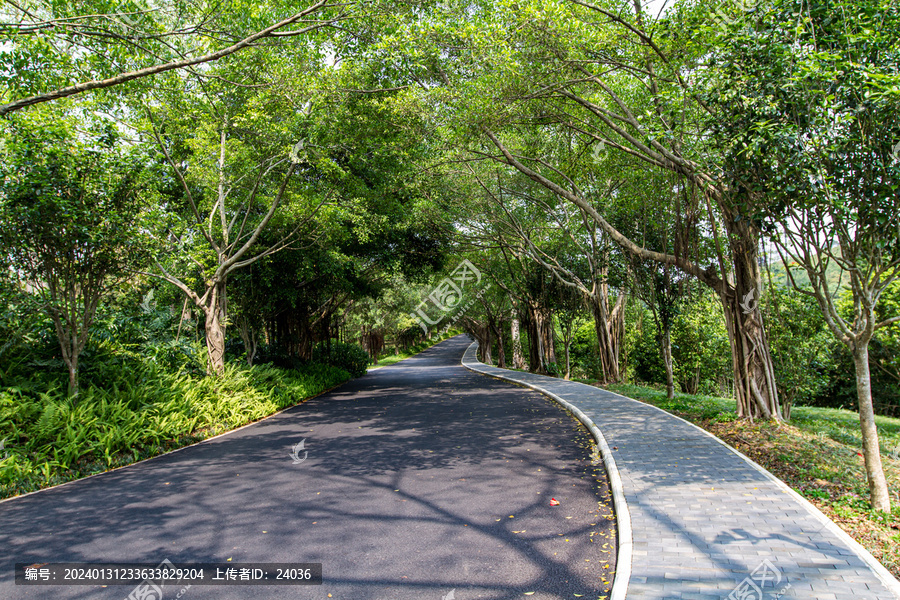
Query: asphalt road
{"points": [[423, 481]]}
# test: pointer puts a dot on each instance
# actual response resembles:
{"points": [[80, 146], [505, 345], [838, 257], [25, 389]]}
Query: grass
{"points": [[391, 359], [818, 454]]}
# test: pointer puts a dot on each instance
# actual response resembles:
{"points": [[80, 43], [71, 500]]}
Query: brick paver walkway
{"points": [[707, 523]]}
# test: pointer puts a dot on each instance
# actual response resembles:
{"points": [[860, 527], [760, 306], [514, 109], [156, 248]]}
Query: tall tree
{"points": [[232, 169], [808, 105], [638, 101], [70, 199], [564, 69]]}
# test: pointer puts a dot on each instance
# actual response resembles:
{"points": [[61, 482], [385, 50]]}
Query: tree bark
{"points": [[548, 336], [665, 346], [536, 363], [215, 329], [606, 328], [754, 373], [501, 351], [878, 489], [518, 359], [248, 336], [484, 344]]}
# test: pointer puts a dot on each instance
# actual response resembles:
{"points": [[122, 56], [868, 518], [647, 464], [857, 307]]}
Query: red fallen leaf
{"points": [[859, 453], [554, 502]]}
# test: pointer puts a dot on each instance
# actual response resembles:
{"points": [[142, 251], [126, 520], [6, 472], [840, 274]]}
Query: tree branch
{"points": [[87, 86]]}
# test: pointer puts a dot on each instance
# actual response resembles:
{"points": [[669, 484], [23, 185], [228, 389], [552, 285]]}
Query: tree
{"points": [[382, 225], [562, 69], [808, 106], [233, 165], [557, 237], [69, 205]]}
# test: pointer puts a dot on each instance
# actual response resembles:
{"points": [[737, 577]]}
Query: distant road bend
{"points": [[423, 481]]}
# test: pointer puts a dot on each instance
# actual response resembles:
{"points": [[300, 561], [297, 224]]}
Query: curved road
{"points": [[423, 481]]}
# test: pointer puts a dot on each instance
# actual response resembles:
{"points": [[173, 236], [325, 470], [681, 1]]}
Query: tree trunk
{"points": [[617, 332], [73, 376], [665, 346], [501, 352], [70, 353], [248, 335], [518, 359], [484, 344], [878, 489], [606, 340], [536, 362], [754, 372], [215, 329], [548, 336]]}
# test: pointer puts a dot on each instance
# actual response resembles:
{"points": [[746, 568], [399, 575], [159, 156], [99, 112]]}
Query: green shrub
{"points": [[350, 357], [585, 353]]}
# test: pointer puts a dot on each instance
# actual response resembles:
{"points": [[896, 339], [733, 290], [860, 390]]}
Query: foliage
{"points": [[585, 353], [349, 357], [70, 202], [644, 358], [884, 358], [700, 345], [141, 411], [801, 345]]}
